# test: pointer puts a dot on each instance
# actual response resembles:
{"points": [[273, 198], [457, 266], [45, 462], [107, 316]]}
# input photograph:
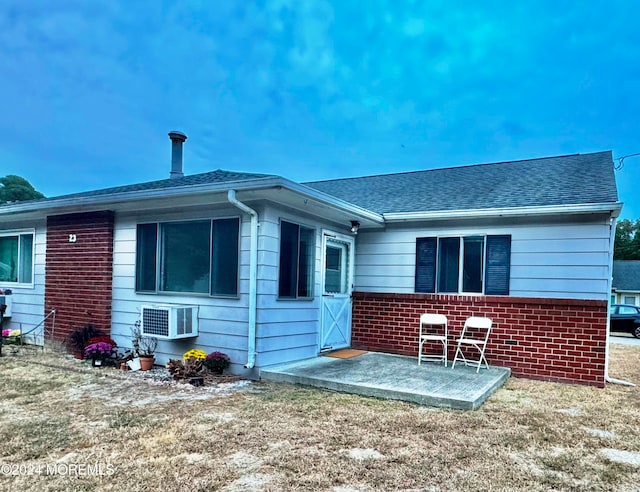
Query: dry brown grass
{"points": [[145, 436]]}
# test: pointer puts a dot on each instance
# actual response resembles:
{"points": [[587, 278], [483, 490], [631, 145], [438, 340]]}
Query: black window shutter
{"points": [[498, 267], [426, 264]]}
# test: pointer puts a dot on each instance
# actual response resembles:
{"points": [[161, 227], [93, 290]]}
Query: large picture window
{"points": [[16, 258], [472, 264], [297, 245], [198, 257]]}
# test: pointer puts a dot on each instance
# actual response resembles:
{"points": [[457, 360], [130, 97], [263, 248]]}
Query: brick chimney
{"points": [[177, 139]]}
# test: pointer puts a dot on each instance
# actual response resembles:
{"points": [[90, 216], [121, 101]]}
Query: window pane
{"points": [[305, 262], [336, 270], [297, 255], [448, 264], [186, 254], [288, 259], [333, 270], [472, 264], [9, 259], [224, 267], [26, 258], [629, 299], [146, 244]]}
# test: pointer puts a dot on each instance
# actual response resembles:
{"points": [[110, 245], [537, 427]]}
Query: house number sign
{"points": [[72, 238]]}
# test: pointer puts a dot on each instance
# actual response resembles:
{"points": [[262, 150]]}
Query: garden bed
{"points": [[144, 431]]}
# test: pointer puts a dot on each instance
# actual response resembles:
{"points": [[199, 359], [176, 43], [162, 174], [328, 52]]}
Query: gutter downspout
{"points": [[612, 238], [253, 277]]}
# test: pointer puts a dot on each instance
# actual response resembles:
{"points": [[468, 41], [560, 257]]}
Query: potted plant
{"points": [[191, 369], [98, 352], [79, 339], [122, 357], [195, 354], [144, 348], [103, 338], [217, 362]]}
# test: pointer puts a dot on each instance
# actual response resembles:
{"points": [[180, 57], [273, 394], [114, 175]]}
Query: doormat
{"points": [[345, 353]]}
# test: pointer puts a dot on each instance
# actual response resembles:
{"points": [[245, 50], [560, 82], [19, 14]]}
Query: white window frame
{"points": [[159, 257], [461, 239], [344, 269], [311, 265], [18, 233]]}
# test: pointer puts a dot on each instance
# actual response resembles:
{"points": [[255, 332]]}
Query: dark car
{"points": [[625, 318]]}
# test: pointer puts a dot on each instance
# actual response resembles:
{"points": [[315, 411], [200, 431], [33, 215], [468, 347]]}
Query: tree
{"points": [[16, 189], [627, 245]]}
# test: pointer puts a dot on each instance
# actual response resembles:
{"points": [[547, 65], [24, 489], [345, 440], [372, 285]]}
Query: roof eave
{"points": [[128, 196], [613, 207], [60, 205], [361, 212]]}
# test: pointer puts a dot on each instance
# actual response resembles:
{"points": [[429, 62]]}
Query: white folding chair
{"points": [[475, 333], [433, 329]]}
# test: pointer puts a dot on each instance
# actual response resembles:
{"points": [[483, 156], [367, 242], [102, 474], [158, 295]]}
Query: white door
{"points": [[337, 284]]}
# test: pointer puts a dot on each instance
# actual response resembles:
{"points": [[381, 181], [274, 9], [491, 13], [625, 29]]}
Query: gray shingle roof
{"points": [[571, 179], [565, 180], [218, 176], [626, 275]]}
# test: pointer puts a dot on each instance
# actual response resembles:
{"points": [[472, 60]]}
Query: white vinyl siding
{"points": [[28, 299], [222, 321], [287, 329], [557, 260]]}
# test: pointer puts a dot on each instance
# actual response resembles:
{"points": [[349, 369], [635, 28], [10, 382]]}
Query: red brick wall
{"points": [[78, 274], [559, 340]]}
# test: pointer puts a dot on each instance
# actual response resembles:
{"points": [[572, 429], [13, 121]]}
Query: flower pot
{"points": [[146, 363], [196, 381]]}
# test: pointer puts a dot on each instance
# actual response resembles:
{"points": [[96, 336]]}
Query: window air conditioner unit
{"points": [[169, 322], [6, 299]]}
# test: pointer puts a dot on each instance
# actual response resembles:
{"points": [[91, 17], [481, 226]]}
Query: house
{"points": [[626, 282], [269, 270]]}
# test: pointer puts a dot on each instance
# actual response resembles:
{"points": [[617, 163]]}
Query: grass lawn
{"points": [[67, 426]]}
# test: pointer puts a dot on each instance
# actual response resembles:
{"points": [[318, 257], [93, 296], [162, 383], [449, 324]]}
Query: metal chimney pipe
{"points": [[177, 139]]}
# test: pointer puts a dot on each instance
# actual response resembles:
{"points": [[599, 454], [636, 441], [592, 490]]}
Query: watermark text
{"points": [[61, 469]]}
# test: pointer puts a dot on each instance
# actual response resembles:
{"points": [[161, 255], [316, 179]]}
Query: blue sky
{"points": [[312, 90]]}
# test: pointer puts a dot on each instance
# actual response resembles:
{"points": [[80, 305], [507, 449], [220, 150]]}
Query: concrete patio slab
{"points": [[394, 377]]}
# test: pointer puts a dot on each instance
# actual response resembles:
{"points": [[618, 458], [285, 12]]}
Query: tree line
{"points": [[17, 189], [627, 245]]}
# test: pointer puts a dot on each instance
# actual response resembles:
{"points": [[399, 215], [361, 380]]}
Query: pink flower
{"points": [[97, 350]]}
